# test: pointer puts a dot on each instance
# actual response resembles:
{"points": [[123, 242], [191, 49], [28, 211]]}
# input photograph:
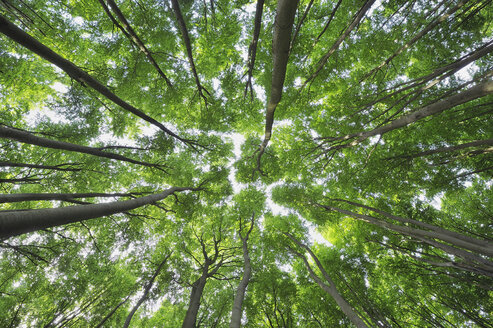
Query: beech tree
{"points": [[246, 163]]}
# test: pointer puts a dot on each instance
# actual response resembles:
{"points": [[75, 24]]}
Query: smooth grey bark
{"points": [[242, 286], [24, 197], [188, 45], [330, 289], [359, 16], [476, 143], [429, 236], [418, 36], [252, 49], [147, 289], [432, 227], [194, 302], [29, 138], [281, 39], [58, 167], [16, 223], [75, 72], [135, 39], [475, 92]]}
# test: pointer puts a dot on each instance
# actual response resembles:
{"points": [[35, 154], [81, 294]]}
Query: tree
{"points": [[246, 163]]}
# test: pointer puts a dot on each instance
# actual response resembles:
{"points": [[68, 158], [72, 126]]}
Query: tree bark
{"points": [[423, 32], [16, 223], [29, 138], [330, 289], [59, 167], [24, 197], [146, 293], [135, 39], [195, 297], [359, 16], [475, 92], [286, 10], [27, 41], [418, 233], [252, 50], [247, 273], [188, 45]]}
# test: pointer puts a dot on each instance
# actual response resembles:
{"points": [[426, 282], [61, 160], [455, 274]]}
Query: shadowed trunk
{"points": [[16, 223], [24, 39], [330, 288], [475, 92], [247, 273], [194, 303], [24, 197], [286, 10], [29, 138], [147, 289]]}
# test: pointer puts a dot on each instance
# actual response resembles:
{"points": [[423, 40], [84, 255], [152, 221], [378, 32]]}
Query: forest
{"points": [[214, 163]]}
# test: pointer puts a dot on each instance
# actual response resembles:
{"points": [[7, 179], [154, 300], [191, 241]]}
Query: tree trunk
{"points": [[16, 223], [241, 290], [194, 303], [24, 197], [330, 289], [58, 167], [424, 235], [477, 91], [29, 138], [146, 292], [286, 10], [24, 39]]}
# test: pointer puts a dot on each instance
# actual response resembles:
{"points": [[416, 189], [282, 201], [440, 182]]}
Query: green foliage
{"points": [[310, 182]]}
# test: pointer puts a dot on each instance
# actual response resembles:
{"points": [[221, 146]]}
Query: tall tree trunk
{"points": [[58, 167], [134, 38], [29, 138], [147, 289], [475, 92], [195, 297], [24, 197], [24, 39], [252, 50], [247, 273], [20, 222], [357, 19], [330, 289], [286, 10]]}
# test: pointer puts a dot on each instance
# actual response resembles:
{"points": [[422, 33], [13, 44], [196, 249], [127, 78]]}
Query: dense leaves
{"points": [[290, 163]]}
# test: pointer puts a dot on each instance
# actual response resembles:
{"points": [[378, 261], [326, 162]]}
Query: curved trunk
{"points": [[194, 303], [29, 138], [27, 41], [20, 222], [241, 290], [24, 197]]}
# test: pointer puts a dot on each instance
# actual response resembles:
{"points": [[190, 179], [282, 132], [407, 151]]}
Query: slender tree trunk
{"points": [[29, 138], [475, 92], [110, 314], [134, 38], [418, 36], [418, 233], [286, 10], [16, 223], [476, 143], [195, 297], [24, 39], [357, 19], [247, 273], [24, 197], [252, 50], [330, 289], [146, 293], [59, 167]]}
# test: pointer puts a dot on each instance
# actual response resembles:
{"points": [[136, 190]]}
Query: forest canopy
{"points": [[290, 163]]}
